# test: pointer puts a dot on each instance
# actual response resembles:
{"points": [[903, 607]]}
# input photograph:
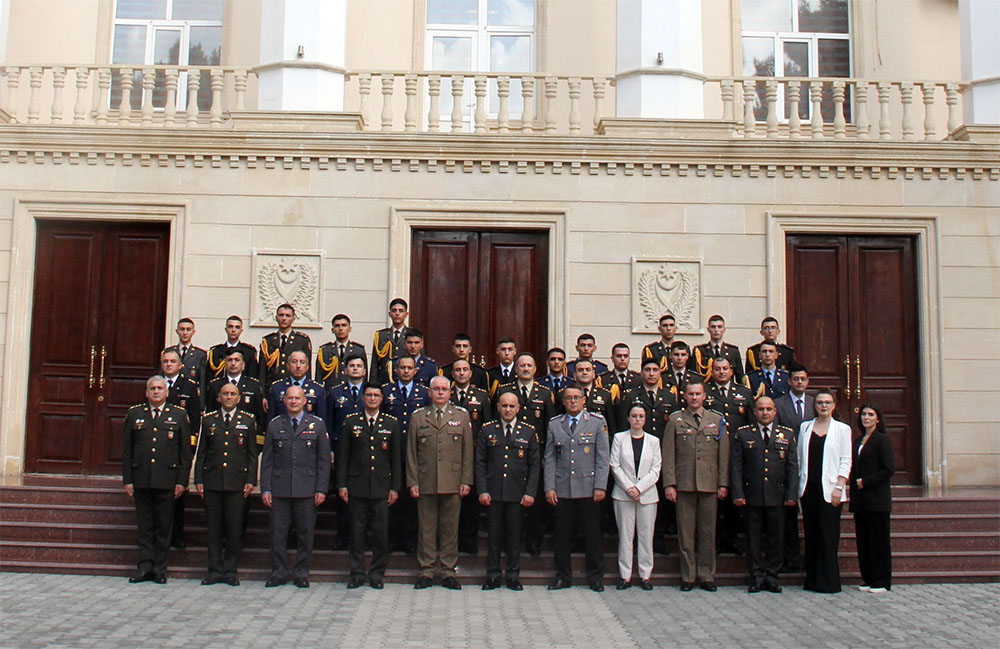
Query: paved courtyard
{"points": [[69, 612]]}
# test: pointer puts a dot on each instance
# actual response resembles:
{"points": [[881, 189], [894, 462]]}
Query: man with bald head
{"points": [[764, 476], [439, 473], [294, 480]]}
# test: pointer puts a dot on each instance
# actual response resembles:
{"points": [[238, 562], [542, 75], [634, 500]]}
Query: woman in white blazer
{"points": [[824, 468], [634, 495]]}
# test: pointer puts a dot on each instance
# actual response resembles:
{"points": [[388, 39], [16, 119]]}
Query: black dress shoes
{"points": [[597, 587], [159, 579], [208, 581], [709, 586], [138, 578], [451, 583], [423, 582], [356, 582], [754, 587], [772, 587], [645, 584], [376, 583], [687, 586], [273, 582], [623, 584], [514, 584], [559, 584], [301, 582], [492, 584], [231, 580]]}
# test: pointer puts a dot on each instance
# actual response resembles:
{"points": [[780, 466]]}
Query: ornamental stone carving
{"points": [[292, 277], [662, 286]]}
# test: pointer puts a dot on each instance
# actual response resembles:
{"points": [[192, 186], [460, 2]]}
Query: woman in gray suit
{"points": [[635, 464]]}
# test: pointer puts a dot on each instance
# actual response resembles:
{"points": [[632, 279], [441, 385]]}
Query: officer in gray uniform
{"points": [[156, 459], [294, 479], [577, 454]]}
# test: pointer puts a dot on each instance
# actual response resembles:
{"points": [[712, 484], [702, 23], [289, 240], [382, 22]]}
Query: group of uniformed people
{"points": [[412, 453]]}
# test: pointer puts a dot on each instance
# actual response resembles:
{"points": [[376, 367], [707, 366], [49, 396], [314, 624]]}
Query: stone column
{"points": [[980, 31], [302, 55], [659, 64]]}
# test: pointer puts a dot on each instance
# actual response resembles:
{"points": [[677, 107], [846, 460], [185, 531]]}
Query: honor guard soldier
{"points": [[461, 347], [294, 480], [217, 354], [703, 355], [277, 346], [413, 343], [369, 478], [660, 349], [181, 392], [764, 480], [503, 372], [508, 466], [439, 473], [556, 379], [225, 472], [477, 402], [577, 464], [537, 408], [331, 357], [769, 330], [696, 476], [315, 395], [156, 459], [770, 380], [619, 375], [597, 400], [677, 375], [345, 399], [251, 394], [586, 345], [194, 360], [401, 399], [388, 342]]}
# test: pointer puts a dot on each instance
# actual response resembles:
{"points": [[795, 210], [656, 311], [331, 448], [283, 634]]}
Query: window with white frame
{"points": [[166, 32], [810, 38], [480, 36]]}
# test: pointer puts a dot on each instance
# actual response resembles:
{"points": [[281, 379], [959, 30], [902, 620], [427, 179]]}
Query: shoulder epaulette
{"points": [[138, 405], [392, 417], [215, 412]]}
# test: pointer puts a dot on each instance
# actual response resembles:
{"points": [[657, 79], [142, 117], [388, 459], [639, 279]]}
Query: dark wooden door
{"points": [[486, 284], [852, 305], [98, 317]]}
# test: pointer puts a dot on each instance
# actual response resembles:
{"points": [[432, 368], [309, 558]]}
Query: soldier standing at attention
{"points": [[182, 392], [477, 402], [194, 360], [217, 354], [770, 331], [277, 346], [331, 357], [703, 355], [388, 343], [660, 349]]}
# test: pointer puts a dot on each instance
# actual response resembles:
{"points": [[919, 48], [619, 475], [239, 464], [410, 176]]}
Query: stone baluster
{"points": [[148, 83], [906, 97], [480, 87], [929, 129], [749, 96], [727, 99], [816, 99], [771, 86], [551, 90], [193, 82], [457, 84], [954, 114], [170, 107], [433, 111], [388, 83], [215, 111], [861, 101], [80, 107], [503, 111], [884, 123], [839, 123], [364, 91], [794, 92], [410, 114], [528, 104], [125, 105], [101, 98], [600, 86], [240, 87], [58, 83], [35, 82], [13, 74], [574, 105]]}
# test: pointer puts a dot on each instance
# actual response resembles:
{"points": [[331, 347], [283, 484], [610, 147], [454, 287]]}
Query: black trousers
{"points": [[538, 518], [504, 522], [177, 531], [792, 544], [821, 522], [468, 522], [224, 515], [871, 530], [300, 514], [341, 512], [154, 513], [369, 516], [764, 527], [403, 522], [584, 513]]}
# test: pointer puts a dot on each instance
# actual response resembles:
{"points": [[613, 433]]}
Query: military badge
{"points": [[781, 454], [240, 440], [341, 400], [312, 424], [170, 434], [357, 431], [520, 453], [309, 442], [385, 445], [586, 449], [455, 437], [183, 403], [538, 413], [493, 440], [311, 392], [474, 414], [246, 398]]}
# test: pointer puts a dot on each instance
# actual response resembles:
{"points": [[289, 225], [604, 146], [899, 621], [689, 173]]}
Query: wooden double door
{"points": [[852, 308], [488, 284], [97, 323]]}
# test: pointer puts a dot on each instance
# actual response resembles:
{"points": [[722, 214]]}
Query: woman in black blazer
{"points": [[871, 500]]}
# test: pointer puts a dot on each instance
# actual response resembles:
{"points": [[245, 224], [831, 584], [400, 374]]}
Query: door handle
{"points": [[104, 354], [857, 364], [90, 377], [847, 375]]}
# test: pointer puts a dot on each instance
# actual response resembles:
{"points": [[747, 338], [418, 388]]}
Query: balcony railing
{"points": [[482, 103]]}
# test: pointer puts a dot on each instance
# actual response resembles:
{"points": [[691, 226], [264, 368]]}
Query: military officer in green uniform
{"points": [[277, 346], [331, 357]]}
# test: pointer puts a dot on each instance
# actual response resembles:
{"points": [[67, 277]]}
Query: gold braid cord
{"points": [[383, 351], [329, 369], [270, 358]]}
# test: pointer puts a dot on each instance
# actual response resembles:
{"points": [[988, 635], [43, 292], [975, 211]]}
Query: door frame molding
{"points": [[483, 216], [20, 296], [924, 228]]}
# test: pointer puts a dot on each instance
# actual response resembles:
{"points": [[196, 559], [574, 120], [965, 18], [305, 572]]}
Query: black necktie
{"points": [[798, 408], [767, 379], [227, 418], [406, 395], [184, 351], [371, 423], [284, 339], [652, 396], [766, 433], [461, 397], [354, 393], [572, 425], [234, 381], [725, 393], [507, 432], [156, 413], [680, 379], [170, 384], [697, 420], [295, 423], [340, 354], [395, 338], [524, 393], [621, 379], [716, 351], [506, 373], [557, 383]]}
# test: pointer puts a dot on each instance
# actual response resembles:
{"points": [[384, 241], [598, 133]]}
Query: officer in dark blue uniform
{"points": [[298, 367]]}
